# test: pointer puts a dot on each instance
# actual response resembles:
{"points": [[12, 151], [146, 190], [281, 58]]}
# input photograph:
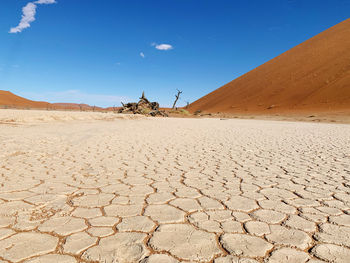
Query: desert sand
{"points": [[11, 116], [86, 187], [312, 77]]}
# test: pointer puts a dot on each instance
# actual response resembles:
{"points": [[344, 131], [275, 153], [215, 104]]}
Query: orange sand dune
{"points": [[9, 99], [312, 77]]}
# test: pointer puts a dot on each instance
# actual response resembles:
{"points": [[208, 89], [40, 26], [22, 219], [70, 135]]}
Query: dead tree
{"points": [[176, 98], [143, 95], [144, 106], [81, 107]]}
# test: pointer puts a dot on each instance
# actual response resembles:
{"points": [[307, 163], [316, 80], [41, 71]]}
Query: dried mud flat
{"points": [[174, 190]]}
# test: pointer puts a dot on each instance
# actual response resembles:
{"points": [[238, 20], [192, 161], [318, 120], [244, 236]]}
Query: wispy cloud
{"points": [[77, 96], [45, 2], [28, 15], [142, 55], [163, 46]]}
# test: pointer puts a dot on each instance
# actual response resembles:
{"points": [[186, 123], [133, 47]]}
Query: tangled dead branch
{"points": [[144, 106]]}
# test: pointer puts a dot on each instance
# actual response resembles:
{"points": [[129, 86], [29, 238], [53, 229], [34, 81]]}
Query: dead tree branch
{"points": [[144, 106], [177, 96]]}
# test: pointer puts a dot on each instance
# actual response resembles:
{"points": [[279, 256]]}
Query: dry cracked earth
{"points": [[174, 190]]}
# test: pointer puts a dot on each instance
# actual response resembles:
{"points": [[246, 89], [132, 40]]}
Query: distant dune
{"points": [[10, 100], [75, 106], [312, 77]]}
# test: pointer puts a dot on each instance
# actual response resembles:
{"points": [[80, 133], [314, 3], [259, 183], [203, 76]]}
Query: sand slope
{"points": [[313, 76], [10, 100], [7, 98]]}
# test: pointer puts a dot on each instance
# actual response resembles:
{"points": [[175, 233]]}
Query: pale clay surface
{"points": [[89, 187]]}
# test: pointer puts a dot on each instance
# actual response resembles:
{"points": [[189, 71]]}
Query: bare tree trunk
{"points": [[176, 98]]}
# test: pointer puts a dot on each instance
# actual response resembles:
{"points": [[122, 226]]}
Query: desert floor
{"points": [[94, 187]]}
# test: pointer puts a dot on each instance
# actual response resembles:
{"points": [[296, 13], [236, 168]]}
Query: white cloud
{"points": [[45, 2], [163, 46], [142, 55], [28, 15]]}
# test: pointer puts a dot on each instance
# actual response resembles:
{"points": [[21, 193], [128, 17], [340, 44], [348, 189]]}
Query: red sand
{"points": [[312, 77], [10, 100]]}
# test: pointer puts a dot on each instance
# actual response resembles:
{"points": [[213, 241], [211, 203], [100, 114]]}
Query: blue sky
{"points": [[90, 50]]}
